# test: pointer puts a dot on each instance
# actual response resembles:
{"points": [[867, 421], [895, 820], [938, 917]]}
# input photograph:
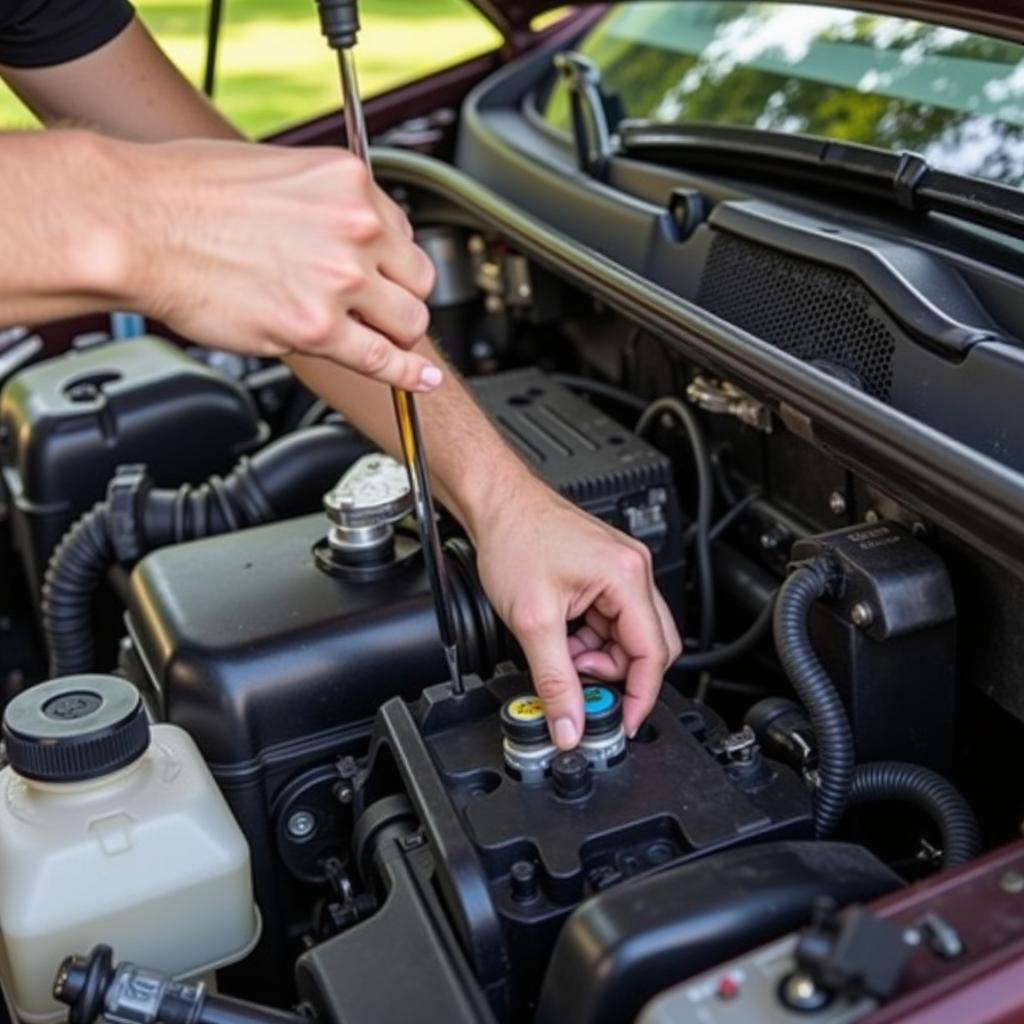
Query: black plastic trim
{"points": [[906, 179], [902, 277], [970, 494]]}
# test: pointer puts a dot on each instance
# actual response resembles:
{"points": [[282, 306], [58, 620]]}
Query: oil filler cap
{"points": [[75, 728]]}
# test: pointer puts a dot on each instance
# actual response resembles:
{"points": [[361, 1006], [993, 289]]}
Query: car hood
{"points": [[995, 17]]}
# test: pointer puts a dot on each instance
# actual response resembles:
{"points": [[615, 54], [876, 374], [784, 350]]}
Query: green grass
{"points": [[274, 68]]}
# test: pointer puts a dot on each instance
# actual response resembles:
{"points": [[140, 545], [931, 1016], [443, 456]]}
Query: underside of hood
{"points": [[994, 17]]}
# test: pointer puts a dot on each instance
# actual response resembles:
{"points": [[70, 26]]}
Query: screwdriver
{"points": [[339, 22]]}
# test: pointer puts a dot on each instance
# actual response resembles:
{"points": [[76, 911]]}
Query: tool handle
{"points": [[339, 22]]}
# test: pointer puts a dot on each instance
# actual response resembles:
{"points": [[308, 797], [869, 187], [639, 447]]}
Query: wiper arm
{"points": [[591, 128], [905, 178]]}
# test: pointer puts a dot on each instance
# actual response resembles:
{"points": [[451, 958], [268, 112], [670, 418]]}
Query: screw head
{"points": [[1012, 882], [837, 503], [301, 825], [871, 516], [862, 615]]}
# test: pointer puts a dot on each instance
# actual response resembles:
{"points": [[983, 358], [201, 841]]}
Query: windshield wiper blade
{"points": [[904, 178]]}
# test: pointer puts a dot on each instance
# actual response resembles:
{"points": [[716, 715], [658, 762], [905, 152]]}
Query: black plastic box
{"points": [[593, 461], [67, 423]]}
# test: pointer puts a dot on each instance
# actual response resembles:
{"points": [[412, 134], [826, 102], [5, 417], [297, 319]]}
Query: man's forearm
{"points": [[61, 254], [473, 470], [126, 88]]}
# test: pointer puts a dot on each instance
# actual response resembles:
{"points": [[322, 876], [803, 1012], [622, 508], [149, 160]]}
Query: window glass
{"points": [[955, 97]]}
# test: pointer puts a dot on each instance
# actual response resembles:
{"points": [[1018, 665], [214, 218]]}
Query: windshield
{"points": [[955, 97]]}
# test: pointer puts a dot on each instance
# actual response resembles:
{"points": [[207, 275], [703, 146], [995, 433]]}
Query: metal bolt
{"points": [[343, 793], [1012, 882], [774, 538], [413, 841], [523, 881], [301, 825], [837, 503], [871, 516], [861, 615]]}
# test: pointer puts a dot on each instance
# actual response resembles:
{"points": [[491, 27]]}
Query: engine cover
{"points": [[512, 856]]}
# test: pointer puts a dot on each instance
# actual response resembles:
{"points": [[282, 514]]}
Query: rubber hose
{"points": [[799, 591], [725, 653], [938, 798], [287, 477], [705, 499], [77, 567]]}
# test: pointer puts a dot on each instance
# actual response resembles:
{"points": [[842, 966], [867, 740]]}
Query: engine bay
{"points": [[192, 539]]}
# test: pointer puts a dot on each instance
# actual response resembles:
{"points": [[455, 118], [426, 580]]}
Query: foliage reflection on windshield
{"points": [[955, 97]]}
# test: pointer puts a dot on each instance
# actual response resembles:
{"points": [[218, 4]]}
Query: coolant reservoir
{"points": [[111, 831]]}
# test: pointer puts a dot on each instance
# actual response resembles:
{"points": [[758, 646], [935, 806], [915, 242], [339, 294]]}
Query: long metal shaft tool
{"points": [[405, 408]]}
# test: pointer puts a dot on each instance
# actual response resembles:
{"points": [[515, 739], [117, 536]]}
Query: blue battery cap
{"points": [[597, 700], [603, 709]]}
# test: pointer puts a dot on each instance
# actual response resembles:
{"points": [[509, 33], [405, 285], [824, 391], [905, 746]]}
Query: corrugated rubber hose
{"points": [[805, 585], [288, 477], [939, 799]]}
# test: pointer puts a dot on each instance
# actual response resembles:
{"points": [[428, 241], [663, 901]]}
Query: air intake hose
{"points": [[910, 783], [286, 478], [808, 582]]}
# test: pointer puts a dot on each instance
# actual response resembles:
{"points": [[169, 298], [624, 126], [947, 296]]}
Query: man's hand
{"points": [[269, 250], [544, 563]]}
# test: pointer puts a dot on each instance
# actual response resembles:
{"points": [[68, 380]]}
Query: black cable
{"points": [[705, 498], [724, 521], [722, 654], [722, 474], [600, 389], [805, 585], [938, 798], [313, 414]]}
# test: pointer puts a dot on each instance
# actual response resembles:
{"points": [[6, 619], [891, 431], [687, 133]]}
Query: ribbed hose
{"points": [[285, 478], [805, 585], [941, 801], [81, 560]]}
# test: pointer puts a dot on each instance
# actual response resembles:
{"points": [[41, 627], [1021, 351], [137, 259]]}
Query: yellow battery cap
{"points": [[522, 718]]}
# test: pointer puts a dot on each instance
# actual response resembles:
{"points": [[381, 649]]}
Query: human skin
{"points": [[159, 206]]}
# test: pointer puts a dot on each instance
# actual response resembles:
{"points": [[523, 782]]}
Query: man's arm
{"points": [[260, 249], [128, 87], [542, 561], [268, 237]]}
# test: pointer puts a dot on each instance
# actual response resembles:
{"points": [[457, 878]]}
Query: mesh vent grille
{"points": [[809, 311]]}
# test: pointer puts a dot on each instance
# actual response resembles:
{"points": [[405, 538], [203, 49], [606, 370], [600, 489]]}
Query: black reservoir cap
{"points": [[75, 728], [570, 772]]}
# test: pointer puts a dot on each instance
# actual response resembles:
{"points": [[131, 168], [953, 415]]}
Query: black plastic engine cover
{"points": [[70, 422], [276, 669], [668, 801], [621, 948]]}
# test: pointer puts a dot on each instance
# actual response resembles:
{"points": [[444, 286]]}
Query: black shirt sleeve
{"points": [[41, 33]]}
